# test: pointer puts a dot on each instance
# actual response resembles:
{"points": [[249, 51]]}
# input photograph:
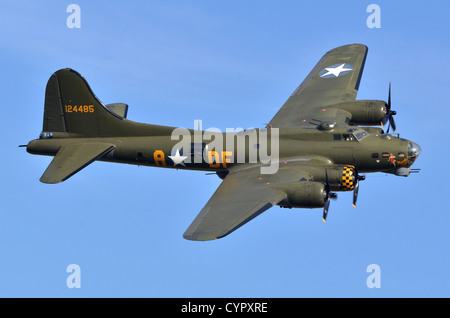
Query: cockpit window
{"points": [[359, 135]]}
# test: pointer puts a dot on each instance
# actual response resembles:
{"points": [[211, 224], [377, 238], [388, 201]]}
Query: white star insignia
{"points": [[177, 159], [336, 71]]}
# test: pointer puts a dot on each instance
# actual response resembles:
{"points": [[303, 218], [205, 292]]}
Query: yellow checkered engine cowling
{"points": [[348, 178]]}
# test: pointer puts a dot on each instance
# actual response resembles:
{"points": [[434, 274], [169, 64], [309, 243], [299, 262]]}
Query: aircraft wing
{"points": [[334, 79], [244, 194]]}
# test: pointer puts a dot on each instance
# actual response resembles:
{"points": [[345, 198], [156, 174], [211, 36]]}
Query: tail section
{"points": [[73, 114], [71, 106]]}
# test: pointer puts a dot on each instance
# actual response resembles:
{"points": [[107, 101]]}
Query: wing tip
{"points": [[50, 181], [199, 237], [349, 47]]}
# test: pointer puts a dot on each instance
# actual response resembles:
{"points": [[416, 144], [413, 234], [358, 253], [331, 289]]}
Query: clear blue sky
{"points": [[231, 64]]}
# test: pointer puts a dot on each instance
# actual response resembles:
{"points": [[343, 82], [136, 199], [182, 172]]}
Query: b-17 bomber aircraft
{"points": [[320, 141]]}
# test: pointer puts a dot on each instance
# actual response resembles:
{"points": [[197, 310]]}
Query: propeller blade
{"points": [[389, 97], [329, 195], [355, 193], [389, 114], [391, 121], [325, 209], [385, 118], [327, 198], [356, 188]]}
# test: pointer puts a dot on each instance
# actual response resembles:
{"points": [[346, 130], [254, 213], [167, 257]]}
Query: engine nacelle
{"points": [[312, 194], [342, 178], [304, 194], [364, 112]]}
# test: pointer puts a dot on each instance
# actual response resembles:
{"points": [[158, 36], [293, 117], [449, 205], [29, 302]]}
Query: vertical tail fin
{"points": [[71, 106]]}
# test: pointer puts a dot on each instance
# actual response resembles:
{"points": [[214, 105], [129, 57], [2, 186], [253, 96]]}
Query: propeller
{"points": [[329, 195], [389, 114]]}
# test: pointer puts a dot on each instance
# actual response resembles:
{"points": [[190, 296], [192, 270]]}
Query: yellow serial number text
{"points": [[79, 109]]}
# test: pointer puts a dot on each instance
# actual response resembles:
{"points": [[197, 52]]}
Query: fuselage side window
{"points": [[348, 137], [345, 137]]}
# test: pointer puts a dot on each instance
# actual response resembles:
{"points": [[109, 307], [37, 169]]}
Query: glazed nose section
{"points": [[413, 151]]}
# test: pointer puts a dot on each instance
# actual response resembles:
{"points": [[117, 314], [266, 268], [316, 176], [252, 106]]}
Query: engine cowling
{"points": [[342, 178], [364, 112], [348, 178], [305, 194]]}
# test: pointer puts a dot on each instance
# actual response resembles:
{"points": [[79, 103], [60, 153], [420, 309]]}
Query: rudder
{"points": [[53, 111]]}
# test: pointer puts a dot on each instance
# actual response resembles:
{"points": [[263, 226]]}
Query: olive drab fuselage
{"points": [[373, 153]]}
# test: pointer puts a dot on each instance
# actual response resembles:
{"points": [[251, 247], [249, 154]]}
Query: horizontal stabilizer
{"points": [[72, 158]]}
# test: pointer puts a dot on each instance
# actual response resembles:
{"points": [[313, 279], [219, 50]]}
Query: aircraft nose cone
{"points": [[413, 151]]}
